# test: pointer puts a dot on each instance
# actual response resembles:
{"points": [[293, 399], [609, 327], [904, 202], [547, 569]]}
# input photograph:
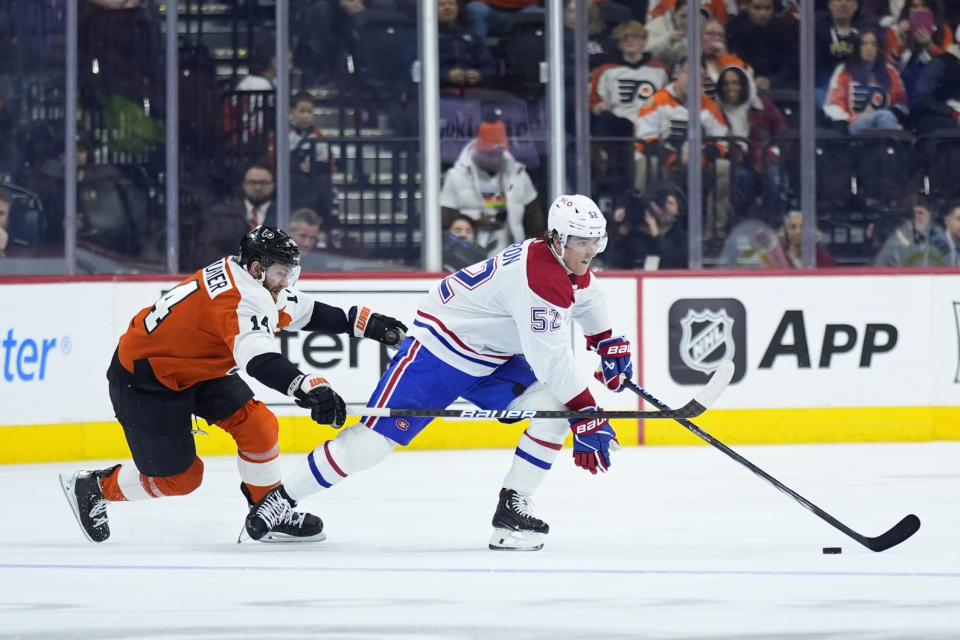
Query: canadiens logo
{"points": [[402, 424], [706, 339]]}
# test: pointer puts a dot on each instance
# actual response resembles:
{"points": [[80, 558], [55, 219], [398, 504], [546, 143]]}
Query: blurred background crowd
{"points": [[887, 100]]}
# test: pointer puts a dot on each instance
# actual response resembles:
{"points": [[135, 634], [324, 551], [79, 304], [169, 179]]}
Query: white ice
{"points": [[672, 543]]}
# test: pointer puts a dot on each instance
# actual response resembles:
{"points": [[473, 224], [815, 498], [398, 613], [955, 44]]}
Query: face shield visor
{"points": [[579, 243], [281, 275]]}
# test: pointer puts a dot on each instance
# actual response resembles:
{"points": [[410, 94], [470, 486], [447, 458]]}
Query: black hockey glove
{"points": [[366, 324], [326, 407]]}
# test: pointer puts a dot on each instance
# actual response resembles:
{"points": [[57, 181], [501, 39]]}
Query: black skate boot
{"points": [[86, 500], [296, 526], [515, 528]]}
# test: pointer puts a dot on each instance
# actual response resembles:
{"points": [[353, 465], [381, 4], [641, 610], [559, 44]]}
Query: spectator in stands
{"points": [[920, 23], [834, 37], [459, 245], [760, 122], [600, 48], [111, 209], [766, 43], [263, 67], [866, 92], [712, 9], [910, 244], [485, 16], [667, 35], [5, 203], [661, 131], [465, 61], [716, 57], [311, 162], [947, 242], [321, 35], [918, 48], [937, 93], [789, 253], [217, 232], [305, 230], [617, 90], [488, 185], [648, 234]]}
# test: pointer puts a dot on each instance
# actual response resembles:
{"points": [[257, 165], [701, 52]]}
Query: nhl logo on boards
{"points": [[706, 338], [704, 332]]}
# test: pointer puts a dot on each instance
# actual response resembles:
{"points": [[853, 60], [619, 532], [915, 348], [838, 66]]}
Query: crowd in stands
{"points": [[887, 85]]}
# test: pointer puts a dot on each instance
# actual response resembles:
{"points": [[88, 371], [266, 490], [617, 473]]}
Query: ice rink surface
{"points": [[672, 543]]}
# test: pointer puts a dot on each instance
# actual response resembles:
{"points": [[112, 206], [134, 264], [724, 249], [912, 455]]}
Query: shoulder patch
{"points": [[546, 277]]}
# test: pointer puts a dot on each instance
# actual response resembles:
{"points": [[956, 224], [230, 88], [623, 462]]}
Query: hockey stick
{"points": [[891, 538], [707, 396]]}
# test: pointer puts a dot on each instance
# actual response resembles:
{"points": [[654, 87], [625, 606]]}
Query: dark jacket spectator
{"points": [[936, 99], [647, 232], [834, 38], [766, 43], [215, 234], [465, 61]]}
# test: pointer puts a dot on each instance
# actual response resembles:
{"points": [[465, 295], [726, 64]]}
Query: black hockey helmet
{"points": [[268, 245]]}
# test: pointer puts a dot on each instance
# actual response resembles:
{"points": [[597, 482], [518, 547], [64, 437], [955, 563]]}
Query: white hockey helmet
{"points": [[579, 216]]}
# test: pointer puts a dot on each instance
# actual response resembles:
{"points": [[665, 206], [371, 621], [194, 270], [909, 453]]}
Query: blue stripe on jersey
{"points": [[316, 472], [429, 328], [537, 462]]}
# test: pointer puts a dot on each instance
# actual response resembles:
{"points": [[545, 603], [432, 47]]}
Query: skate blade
{"points": [[282, 538], [243, 537], [67, 483], [508, 540]]}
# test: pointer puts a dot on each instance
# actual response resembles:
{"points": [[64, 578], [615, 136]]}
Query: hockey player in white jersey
{"points": [[496, 334]]}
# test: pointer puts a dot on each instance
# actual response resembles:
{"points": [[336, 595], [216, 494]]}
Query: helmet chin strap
{"points": [[559, 256]]}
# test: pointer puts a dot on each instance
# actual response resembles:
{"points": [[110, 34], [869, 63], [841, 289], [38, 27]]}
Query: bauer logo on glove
{"points": [[616, 364]]}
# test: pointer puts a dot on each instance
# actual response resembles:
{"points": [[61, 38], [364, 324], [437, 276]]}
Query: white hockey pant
{"points": [[354, 449], [540, 444]]}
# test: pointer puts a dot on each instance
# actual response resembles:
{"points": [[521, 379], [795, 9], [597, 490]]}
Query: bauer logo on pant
{"points": [[703, 333]]}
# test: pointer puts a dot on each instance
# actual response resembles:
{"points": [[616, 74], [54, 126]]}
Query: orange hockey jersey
{"points": [[663, 116], [210, 325], [848, 99]]}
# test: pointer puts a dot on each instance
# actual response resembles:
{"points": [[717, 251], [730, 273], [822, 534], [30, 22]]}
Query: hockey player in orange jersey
{"points": [[179, 358]]}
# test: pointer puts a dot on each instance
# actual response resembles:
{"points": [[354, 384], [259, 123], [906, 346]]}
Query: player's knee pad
{"points": [[358, 447], [178, 485], [538, 397], [256, 432]]}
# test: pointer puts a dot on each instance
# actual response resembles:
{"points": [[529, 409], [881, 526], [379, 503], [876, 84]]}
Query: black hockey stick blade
{"points": [[891, 538], [700, 403], [897, 534]]}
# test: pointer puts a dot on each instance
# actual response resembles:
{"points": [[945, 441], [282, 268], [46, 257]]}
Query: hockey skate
{"points": [[86, 500], [515, 528], [273, 519]]}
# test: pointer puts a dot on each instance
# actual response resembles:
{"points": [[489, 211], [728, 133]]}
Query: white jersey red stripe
{"points": [[521, 301]]}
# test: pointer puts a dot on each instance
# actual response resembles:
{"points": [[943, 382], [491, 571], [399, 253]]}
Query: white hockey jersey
{"points": [[520, 301]]}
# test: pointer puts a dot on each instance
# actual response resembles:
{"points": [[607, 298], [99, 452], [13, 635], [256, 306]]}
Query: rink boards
{"points": [[845, 356]]}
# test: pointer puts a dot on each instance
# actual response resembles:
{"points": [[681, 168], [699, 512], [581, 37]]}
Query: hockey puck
{"points": [[832, 549], [391, 337]]}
